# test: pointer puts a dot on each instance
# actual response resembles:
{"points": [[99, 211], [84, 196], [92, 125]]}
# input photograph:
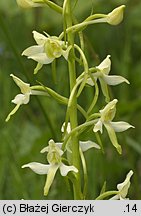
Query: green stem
{"points": [[73, 108], [86, 70], [81, 26], [106, 194], [99, 141], [95, 98], [95, 16]]}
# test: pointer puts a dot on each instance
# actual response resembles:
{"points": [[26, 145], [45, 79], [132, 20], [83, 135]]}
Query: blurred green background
{"points": [[22, 138]]}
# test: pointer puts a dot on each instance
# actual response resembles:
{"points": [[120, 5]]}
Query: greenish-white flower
{"points": [[54, 157], [107, 115], [28, 3], [123, 188], [23, 98], [102, 73], [47, 49]]}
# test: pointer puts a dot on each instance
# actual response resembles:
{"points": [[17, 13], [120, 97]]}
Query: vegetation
{"points": [[29, 131]]}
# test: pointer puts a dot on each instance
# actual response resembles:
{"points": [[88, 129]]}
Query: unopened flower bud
{"points": [[116, 16], [28, 3]]}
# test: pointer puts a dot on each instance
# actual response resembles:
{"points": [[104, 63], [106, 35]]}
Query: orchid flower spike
{"points": [[47, 49], [54, 158], [102, 73], [23, 98], [28, 3], [123, 188], [107, 115]]}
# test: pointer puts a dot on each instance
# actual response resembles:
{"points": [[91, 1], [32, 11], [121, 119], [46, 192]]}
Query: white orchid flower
{"points": [[107, 115], [28, 3], [123, 188], [23, 98], [47, 49], [84, 145], [105, 79], [54, 154]]}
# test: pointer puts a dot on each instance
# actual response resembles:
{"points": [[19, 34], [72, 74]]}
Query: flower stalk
{"points": [[73, 108]]}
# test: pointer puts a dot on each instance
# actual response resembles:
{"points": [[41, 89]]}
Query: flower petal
{"points": [[66, 52], [24, 87], [90, 81], [12, 112], [120, 126], [105, 65], [116, 197], [114, 80], [38, 168], [68, 128], [41, 58], [50, 177], [39, 38], [85, 145], [64, 169], [109, 108], [98, 126], [47, 148], [123, 187], [33, 50], [59, 144], [113, 137]]}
